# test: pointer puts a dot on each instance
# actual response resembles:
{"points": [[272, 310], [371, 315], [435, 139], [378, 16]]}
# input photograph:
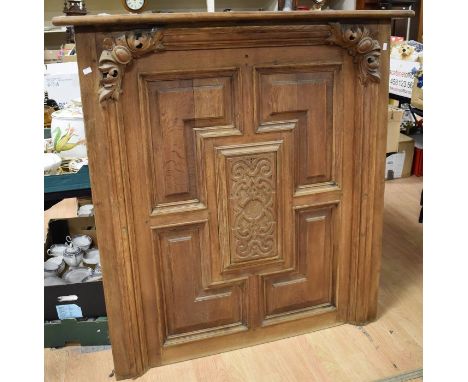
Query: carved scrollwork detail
{"points": [[120, 52], [252, 198], [362, 47]]}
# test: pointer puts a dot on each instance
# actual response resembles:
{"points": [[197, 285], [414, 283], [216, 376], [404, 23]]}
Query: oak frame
{"points": [[113, 213]]}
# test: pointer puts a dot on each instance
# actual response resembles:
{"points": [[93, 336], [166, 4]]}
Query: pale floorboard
{"points": [[387, 347]]}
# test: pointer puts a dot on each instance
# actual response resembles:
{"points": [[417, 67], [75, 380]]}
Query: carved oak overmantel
{"points": [[237, 165]]}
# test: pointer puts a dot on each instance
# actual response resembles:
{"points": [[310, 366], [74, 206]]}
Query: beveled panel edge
{"points": [[180, 224], [275, 319], [316, 188], [177, 207], [174, 340]]}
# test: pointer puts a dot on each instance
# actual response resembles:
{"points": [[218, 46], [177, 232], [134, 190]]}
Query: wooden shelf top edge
{"points": [[195, 17]]}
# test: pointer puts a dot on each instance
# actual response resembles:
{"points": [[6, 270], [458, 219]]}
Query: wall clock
{"points": [[134, 6]]}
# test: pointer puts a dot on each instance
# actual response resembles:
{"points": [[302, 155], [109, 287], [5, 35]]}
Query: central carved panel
{"points": [[248, 193], [252, 206]]}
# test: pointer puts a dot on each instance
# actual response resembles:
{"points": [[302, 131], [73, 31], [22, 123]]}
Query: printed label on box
{"points": [[62, 83], [68, 311], [402, 77]]}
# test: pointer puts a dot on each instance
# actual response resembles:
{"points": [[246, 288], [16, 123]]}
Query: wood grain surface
{"points": [[194, 17], [238, 186], [388, 347]]}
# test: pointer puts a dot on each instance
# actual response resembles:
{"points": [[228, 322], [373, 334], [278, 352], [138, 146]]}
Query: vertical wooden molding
{"points": [[370, 124], [121, 286]]}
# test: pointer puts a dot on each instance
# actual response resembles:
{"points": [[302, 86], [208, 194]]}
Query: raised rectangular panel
{"points": [[178, 106], [300, 98], [191, 308], [310, 285], [250, 180]]}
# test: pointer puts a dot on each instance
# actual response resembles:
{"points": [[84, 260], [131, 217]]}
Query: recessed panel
{"points": [[302, 99], [310, 284], [178, 106], [190, 306]]}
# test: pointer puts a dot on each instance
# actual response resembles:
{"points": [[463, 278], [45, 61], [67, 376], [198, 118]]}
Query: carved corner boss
{"points": [[362, 47], [119, 52]]}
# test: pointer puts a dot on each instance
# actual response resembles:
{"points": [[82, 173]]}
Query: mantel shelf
{"points": [[194, 17]]}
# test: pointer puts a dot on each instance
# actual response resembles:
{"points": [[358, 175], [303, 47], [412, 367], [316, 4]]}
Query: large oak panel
{"points": [[237, 174]]}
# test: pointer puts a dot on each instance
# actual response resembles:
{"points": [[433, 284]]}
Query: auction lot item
{"points": [[237, 163]]}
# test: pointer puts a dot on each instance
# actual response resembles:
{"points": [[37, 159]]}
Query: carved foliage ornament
{"points": [[120, 52], [364, 49]]}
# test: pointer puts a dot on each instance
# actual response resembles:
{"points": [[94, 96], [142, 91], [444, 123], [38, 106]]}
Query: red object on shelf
{"points": [[417, 162], [302, 8]]}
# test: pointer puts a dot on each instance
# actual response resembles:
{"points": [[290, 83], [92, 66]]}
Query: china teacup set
{"points": [[73, 262]]}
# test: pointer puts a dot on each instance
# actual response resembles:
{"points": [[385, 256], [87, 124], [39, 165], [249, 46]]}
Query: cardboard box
{"points": [[417, 96], [406, 145], [62, 82], [393, 130], [90, 332], [69, 58], [90, 296], [394, 166], [52, 56]]}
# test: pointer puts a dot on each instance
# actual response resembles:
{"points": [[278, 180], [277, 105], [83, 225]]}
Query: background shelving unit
{"points": [[53, 36]]}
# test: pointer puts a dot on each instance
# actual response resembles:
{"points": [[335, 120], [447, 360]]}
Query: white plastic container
{"points": [[68, 131]]}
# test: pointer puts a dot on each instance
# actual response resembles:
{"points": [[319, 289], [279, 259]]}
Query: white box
{"points": [[62, 82], [394, 165]]}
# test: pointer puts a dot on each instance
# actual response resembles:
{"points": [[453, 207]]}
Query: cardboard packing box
{"points": [[395, 115], [406, 145], [52, 56], [394, 166], [89, 297], [417, 96], [62, 82]]}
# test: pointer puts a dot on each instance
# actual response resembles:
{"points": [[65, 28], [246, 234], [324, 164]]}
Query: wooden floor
{"points": [[389, 347]]}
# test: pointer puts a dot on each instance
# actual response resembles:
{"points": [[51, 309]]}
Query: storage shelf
{"points": [[55, 30]]}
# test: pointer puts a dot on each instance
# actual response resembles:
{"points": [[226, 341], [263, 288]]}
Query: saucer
{"points": [[53, 280], [77, 275], [91, 278]]}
